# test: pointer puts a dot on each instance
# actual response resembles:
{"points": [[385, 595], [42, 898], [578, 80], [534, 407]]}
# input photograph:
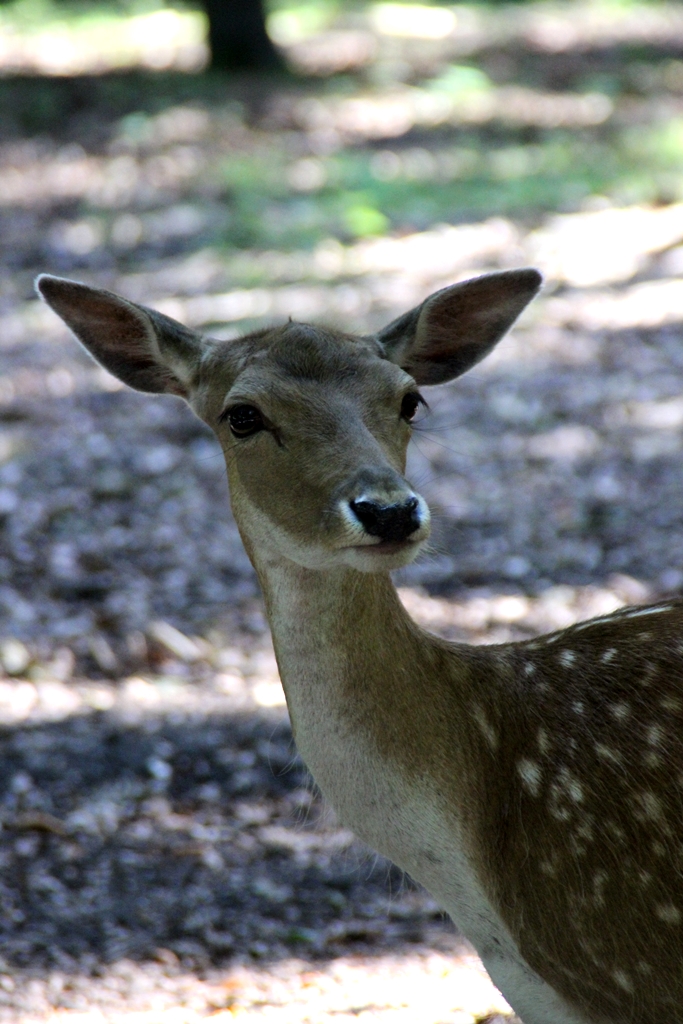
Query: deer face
{"points": [[314, 424], [314, 428]]}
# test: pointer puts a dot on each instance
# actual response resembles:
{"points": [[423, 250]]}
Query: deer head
{"points": [[314, 423]]}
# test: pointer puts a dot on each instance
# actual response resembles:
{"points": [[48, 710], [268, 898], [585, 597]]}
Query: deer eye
{"points": [[244, 420], [410, 404]]}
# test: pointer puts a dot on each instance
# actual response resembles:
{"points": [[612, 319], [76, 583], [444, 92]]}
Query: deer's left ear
{"points": [[456, 327], [143, 348]]}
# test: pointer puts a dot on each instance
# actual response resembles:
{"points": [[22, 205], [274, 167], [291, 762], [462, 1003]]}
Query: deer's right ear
{"points": [[456, 327], [143, 348]]}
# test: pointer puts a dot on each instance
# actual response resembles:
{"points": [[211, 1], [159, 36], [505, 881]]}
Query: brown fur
{"points": [[537, 788]]}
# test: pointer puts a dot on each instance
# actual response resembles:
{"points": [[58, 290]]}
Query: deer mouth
{"points": [[390, 547], [397, 553]]}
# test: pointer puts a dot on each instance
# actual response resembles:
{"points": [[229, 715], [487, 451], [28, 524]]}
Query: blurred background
{"points": [[163, 854]]}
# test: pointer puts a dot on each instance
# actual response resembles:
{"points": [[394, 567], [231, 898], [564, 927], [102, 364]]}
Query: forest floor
{"points": [[164, 857]]}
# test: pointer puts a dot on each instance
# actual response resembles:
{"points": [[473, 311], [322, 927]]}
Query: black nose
{"points": [[389, 522]]}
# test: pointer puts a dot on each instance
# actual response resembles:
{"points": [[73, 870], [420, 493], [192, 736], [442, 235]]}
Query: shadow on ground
{"points": [[182, 838]]}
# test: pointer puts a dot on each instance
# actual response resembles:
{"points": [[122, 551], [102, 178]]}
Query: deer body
{"points": [[536, 789], [343, 700]]}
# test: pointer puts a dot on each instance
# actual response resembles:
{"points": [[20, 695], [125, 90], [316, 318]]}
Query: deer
{"points": [[534, 788]]}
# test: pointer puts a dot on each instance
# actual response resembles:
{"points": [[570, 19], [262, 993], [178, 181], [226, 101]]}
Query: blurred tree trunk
{"points": [[238, 37]]}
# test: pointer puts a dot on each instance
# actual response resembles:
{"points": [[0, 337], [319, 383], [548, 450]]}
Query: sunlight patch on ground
{"points": [[397, 111], [174, 39], [244, 675], [160, 40], [355, 284], [647, 305], [604, 246], [575, 250], [34, 691], [557, 28], [169, 38], [429, 986], [413, 20], [499, 618]]}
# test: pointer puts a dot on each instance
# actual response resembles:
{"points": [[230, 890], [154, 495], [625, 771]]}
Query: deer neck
{"points": [[338, 634], [370, 695]]}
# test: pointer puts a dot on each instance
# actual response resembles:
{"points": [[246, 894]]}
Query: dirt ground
{"points": [[164, 856]]}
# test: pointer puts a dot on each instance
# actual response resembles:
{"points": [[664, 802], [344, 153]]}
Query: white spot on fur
{"points": [[671, 704], [607, 753], [566, 658], [585, 830], [567, 785], [600, 880], [608, 655], [544, 744], [578, 707], [655, 735], [623, 981], [620, 711], [616, 831], [574, 790], [487, 729], [561, 813], [652, 805], [529, 668], [652, 759], [530, 774], [668, 913]]}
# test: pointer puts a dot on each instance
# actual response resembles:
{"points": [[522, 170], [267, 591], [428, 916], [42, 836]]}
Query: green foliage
{"points": [[407, 188], [36, 13], [280, 194], [461, 80]]}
